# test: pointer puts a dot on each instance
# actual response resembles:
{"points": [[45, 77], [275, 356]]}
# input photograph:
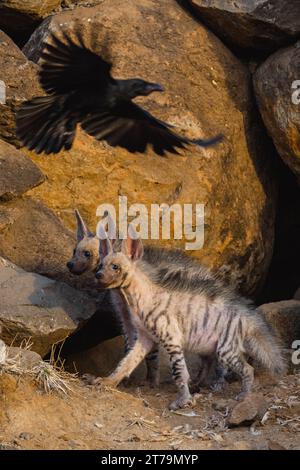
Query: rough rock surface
{"points": [[24, 358], [234, 180], [20, 79], [35, 239], [35, 307], [260, 25], [277, 89], [247, 411], [20, 16], [18, 173], [284, 317], [75, 3]]}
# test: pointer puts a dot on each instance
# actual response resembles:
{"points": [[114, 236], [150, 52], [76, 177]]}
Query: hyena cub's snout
{"points": [[99, 275], [85, 257], [103, 277], [76, 267], [70, 265]]}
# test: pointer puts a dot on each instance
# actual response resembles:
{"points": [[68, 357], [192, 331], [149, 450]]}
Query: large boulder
{"points": [[19, 17], [259, 25], [22, 358], [19, 77], [284, 316], [38, 309], [234, 180], [277, 90], [35, 239], [18, 173]]}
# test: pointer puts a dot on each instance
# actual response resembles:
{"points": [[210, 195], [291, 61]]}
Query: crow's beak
{"points": [[154, 87]]}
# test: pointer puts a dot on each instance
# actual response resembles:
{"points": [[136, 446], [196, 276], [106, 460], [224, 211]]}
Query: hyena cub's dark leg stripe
{"points": [[231, 356], [160, 324], [122, 310], [180, 375], [179, 369]]}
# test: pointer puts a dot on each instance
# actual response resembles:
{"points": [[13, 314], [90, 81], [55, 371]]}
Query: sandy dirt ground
{"points": [[137, 417]]}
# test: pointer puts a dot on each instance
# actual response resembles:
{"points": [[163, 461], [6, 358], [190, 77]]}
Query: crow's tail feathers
{"points": [[209, 142], [43, 125]]}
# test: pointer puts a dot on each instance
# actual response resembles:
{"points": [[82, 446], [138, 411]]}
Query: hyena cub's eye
{"points": [[87, 254], [115, 267], [74, 252]]}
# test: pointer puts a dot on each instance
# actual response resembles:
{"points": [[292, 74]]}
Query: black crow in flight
{"points": [[80, 89]]}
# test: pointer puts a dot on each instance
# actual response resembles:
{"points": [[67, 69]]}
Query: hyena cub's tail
{"points": [[262, 344]]}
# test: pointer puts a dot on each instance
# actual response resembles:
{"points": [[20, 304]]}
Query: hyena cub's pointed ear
{"points": [[132, 246], [105, 245], [82, 228], [111, 227]]}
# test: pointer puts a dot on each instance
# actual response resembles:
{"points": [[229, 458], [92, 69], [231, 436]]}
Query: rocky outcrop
{"points": [[200, 99], [37, 308], [284, 317], [35, 239], [18, 173], [19, 17], [257, 25], [25, 359], [277, 89], [20, 82]]}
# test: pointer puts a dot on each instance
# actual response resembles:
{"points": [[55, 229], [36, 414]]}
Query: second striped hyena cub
{"points": [[208, 321]]}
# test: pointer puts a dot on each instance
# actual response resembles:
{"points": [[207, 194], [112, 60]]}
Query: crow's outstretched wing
{"points": [[44, 125], [131, 127], [69, 65]]}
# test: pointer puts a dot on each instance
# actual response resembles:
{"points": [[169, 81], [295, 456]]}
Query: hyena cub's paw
{"points": [[242, 395], [182, 402], [126, 382], [219, 385], [104, 382], [88, 379]]}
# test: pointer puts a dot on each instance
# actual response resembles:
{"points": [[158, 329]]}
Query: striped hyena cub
{"points": [[173, 269], [86, 258], [208, 321]]}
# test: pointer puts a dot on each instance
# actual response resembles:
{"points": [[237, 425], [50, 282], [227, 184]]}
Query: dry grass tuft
{"points": [[50, 375], [51, 379]]}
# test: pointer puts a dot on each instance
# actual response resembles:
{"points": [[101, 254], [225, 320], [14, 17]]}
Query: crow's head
{"points": [[138, 87]]}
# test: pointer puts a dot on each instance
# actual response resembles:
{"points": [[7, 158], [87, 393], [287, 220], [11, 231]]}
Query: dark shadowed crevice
{"points": [[284, 273]]}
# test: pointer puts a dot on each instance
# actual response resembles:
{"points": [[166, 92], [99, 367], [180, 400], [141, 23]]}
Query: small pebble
{"points": [[98, 425], [26, 436]]}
